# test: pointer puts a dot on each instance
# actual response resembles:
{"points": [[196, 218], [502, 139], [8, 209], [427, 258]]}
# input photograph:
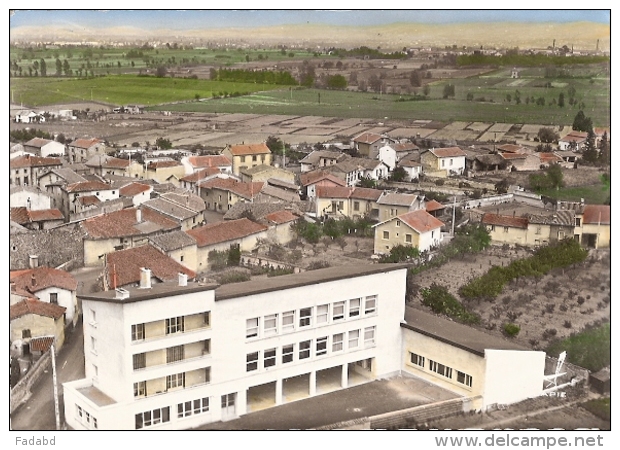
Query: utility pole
{"points": [[453, 214], [54, 376]]}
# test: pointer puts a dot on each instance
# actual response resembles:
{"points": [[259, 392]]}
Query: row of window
{"points": [[288, 321], [441, 369], [304, 348], [173, 354], [85, 418], [185, 409], [173, 325], [174, 381]]}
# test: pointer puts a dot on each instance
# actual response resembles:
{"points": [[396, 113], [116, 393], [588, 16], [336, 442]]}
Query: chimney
{"points": [[182, 279], [33, 261], [138, 215], [33, 280], [121, 293], [145, 278]]}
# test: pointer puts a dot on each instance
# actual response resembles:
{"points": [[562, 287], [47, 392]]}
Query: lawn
{"points": [[590, 349], [596, 194], [122, 89]]}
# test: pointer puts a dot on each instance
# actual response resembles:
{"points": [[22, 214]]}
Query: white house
{"points": [[175, 356], [44, 147], [416, 229]]}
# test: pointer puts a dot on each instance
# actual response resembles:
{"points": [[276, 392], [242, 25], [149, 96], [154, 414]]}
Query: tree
{"points": [[66, 68], [590, 153], [275, 145], [415, 79], [43, 67], [581, 122], [58, 67], [375, 83], [547, 135], [367, 182], [561, 100], [336, 82], [161, 71], [555, 176], [426, 90], [399, 174], [448, 90], [163, 143], [604, 155], [501, 187]]}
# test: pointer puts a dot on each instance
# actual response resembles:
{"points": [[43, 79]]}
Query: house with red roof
{"points": [[190, 182], [246, 156], [392, 204], [574, 140], [103, 165], [221, 194], [196, 163], [83, 149], [41, 219], [318, 159], [137, 192], [26, 170], [51, 286], [416, 229], [220, 236], [165, 171], [311, 180], [122, 229], [367, 143], [76, 198], [123, 268], [353, 202], [35, 325], [450, 160], [506, 229], [593, 226]]}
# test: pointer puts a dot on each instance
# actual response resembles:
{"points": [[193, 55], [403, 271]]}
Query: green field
{"points": [[590, 349], [122, 90], [596, 194]]}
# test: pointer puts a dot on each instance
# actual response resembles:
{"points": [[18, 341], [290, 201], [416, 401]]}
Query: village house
{"points": [[246, 156], [25, 170], [127, 267], [137, 192], [338, 202], [506, 229], [575, 141], [392, 204], [264, 172], [392, 153], [118, 230], [28, 116], [521, 161], [195, 164], [412, 166], [221, 194], [49, 285], [221, 236], [318, 159], [58, 177], [311, 180], [81, 150], [179, 246], [40, 219], [546, 159], [190, 182], [165, 171], [44, 147], [186, 209], [274, 193], [449, 161], [29, 197], [416, 229], [35, 325], [370, 143], [78, 197], [593, 226], [104, 165]]}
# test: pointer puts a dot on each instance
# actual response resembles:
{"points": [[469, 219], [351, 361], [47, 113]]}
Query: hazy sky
{"points": [[197, 19]]}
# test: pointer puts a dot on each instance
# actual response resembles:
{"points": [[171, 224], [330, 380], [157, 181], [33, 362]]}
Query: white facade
{"points": [[53, 148], [33, 200], [452, 165], [230, 340], [62, 297], [387, 155]]}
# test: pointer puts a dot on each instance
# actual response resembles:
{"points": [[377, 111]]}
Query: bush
{"points": [[439, 182], [580, 300], [233, 277], [511, 330], [441, 301], [568, 324]]}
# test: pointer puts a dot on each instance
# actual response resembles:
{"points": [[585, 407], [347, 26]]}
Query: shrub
{"points": [[439, 182], [549, 333], [568, 324], [580, 300], [549, 307], [511, 330], [441, 301], [563, 307], [318, 265], [233, 277], [534, 342]]}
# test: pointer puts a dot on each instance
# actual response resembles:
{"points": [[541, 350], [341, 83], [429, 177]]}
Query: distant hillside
{"points": [[579, 35]]}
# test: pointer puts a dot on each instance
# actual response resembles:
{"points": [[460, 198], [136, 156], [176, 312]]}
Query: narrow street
{"points": [[37, 413]]}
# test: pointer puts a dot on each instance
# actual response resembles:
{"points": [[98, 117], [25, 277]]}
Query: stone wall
{"points": [[53, 247], [21, 391]]}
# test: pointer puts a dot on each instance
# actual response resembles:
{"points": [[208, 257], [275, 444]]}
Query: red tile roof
{"points": [[366, 193], [514, 155], [448, 152], [39, 278], [333, 192], [45, 214], [33, 306], [123, 266], [33, 161], [434, 205], [245, 190], [511, 148], [549, 157], [88, 186], [229, 230], [405, 147], [209, 161], [420, 220], [199, 175], [85, 143], [162, 164], [41, 344], [592, 214], [88, 200], [280, 217], [116, 163], [367, 138], [37, 142], [505, 221], [123, 224], [316, 176], [132, 189], [249, 149]]}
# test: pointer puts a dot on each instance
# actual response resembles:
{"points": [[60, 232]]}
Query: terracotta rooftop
{"points": [[132, 189], [37, 142], [593, 214], [433, 205], [249, 149], [333, 192], [505, 221], [420, 220], [172, 240], [34, 161], [367, 138], [162, 164], [23, 215], [309, 178], [199, 175], [511, 148], [33, 306], [123, 266], [229, 230], [209, 161], [87, 186], [280, 217], [448, 152], [39, 278], [514, 155], [549, 157], [108, 162], [88, 200], [366, 193], [395, 199], [85, 143], [123, 224]]}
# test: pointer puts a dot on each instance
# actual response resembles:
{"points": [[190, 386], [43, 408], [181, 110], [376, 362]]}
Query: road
{"points": [[38, 411]]}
